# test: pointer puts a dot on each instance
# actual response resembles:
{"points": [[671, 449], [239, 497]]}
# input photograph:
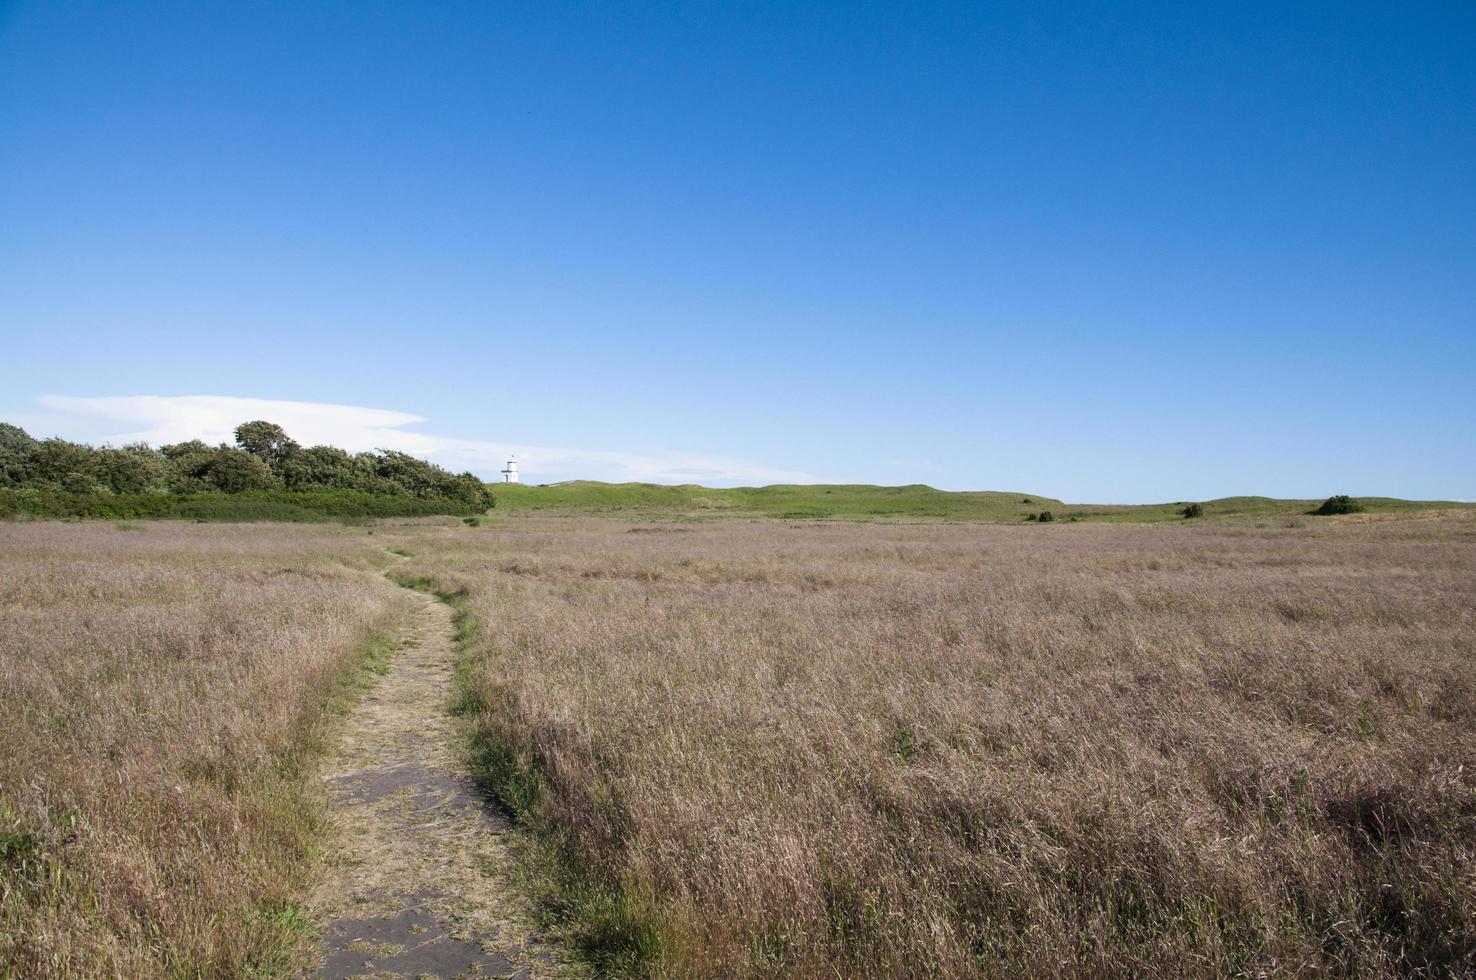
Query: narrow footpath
{"points": [[417, 882]]}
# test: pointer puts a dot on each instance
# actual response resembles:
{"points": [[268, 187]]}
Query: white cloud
{"points": [[158, 419]]}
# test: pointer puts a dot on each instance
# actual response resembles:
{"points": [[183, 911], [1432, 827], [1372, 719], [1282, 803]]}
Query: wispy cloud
{"points": [[159, 419]]}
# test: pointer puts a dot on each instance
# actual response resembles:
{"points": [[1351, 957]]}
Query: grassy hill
{"points": [[846, 501], [914, 502]]}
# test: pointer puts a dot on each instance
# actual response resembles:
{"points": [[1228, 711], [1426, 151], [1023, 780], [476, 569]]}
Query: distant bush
{"points": [[1339, 504], [1032, 517], [1193, 510], [1046, 516]]}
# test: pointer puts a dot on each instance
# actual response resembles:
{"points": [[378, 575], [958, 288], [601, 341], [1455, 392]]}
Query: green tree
{"points": [[416, 475], [15, 439], [188, 465], [132, 469], [367, 476], [318, 466], [61, 464], [234, 470], [177, 450], [468, 487], [15, 448], [267, 441], [266, 459]]}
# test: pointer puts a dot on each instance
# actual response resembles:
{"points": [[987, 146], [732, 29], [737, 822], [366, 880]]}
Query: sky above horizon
{"points": [[1108, 253]]}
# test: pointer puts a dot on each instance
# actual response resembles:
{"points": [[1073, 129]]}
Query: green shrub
{"points": [[1032, 517], [236, 471], [1339, 504], [1193, 510], [48, 502], [132, 469], [1046, 516], [251, 505]]}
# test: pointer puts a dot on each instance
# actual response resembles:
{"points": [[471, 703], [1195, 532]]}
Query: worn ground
{"points": [[418, 884]]}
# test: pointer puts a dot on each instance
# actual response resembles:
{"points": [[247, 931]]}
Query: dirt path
{"points": [[417, 884]]}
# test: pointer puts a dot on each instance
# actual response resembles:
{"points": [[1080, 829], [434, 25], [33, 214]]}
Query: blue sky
{"points": [[1101, 252]]}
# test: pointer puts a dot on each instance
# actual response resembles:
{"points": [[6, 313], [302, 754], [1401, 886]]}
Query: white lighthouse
{"points": [[510, 472]]}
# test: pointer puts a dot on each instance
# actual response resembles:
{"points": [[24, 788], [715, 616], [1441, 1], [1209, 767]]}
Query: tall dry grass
{"points": [[159, 688], [950, 751]]}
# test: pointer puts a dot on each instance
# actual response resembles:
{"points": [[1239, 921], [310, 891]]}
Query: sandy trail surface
{"points": [[417, 883]]}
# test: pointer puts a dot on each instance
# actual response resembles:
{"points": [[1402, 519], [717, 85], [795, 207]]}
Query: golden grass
{"points": [[160, 687], [949, 751]]}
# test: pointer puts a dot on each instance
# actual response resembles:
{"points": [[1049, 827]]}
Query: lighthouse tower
{"points": [[510, 472]]}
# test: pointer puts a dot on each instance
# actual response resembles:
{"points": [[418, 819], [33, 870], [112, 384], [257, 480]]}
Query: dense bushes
{"points": [[46, 502], [265, 476], [1193, 510], [250, 505]]}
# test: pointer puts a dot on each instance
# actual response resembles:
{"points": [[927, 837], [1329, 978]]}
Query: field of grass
{"points": [[872, 503], [757, 748], [161, 686], [775, 747]]}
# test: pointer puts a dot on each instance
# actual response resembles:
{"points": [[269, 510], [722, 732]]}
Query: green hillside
{"points": [[866, 502], [848, 501]]}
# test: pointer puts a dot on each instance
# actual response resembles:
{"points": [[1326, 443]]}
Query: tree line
{"points": [[264, 458]]}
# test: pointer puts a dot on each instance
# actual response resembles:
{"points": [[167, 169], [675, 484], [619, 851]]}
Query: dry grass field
{"points": [[159, 686], [831, 750], [759, 748]]}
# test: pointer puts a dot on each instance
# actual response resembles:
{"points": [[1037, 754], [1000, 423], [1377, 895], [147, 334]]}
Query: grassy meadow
{"points": [[161, 688], [1208, 749], [853, 502], [755, 747]]}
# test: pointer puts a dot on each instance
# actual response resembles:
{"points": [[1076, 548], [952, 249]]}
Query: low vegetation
{"points": [[774, 747], [248, 505], [790, 502], [265, 476], [162, 688], [853, 502], [1339, 504], [819, 749]]}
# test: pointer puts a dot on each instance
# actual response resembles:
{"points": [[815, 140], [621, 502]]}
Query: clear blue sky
{"points": [[1104, 252]]}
